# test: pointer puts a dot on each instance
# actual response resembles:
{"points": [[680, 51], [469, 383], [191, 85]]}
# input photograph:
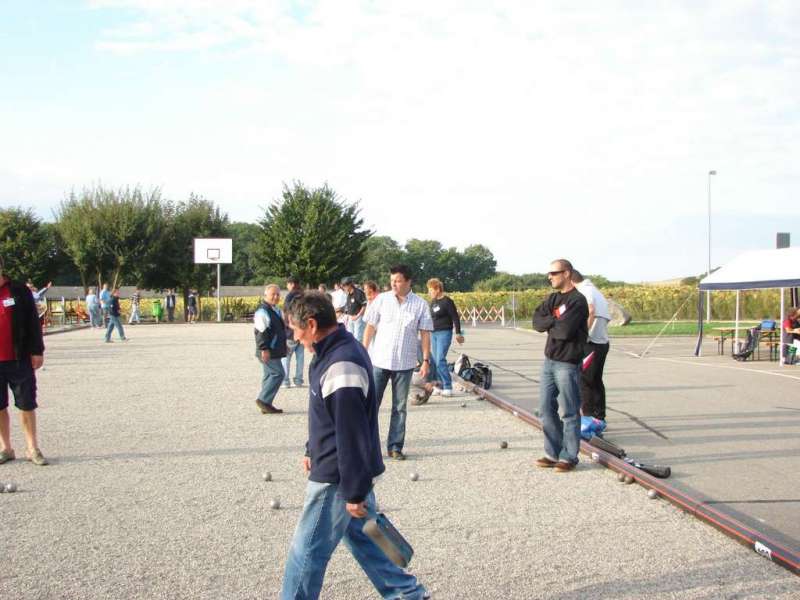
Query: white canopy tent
{"points": [[754, 270]]}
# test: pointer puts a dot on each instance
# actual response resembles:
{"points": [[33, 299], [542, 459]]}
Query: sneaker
{"points": [[6, 455], [447, 393], [397, 455], [436, 391], [285, 386], [563, 466], [299, 385], [36, 457], [267, 409], [545, 463]]}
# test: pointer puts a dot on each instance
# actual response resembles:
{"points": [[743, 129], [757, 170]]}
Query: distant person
{"points": [[563, 315], [114, 318], [593, 391], [170, 303], [791, 334], [191, 307], [371, 292], [343, 459], [339, 300], [135, 312], [355, 308], [93, 306], [293, 348], [396, 320], [270, 333], [446, 320], [105, 303], [38, 294], [21, 354]]}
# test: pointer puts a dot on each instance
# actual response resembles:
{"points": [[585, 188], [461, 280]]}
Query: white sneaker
{"points": [[447, 393], [436, 391]]}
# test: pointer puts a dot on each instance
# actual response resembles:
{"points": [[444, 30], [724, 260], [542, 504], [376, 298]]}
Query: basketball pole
{"points": [[219, 280]]}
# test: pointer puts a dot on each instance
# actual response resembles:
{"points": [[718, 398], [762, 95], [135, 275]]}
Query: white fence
{"points": [[484, 314]]}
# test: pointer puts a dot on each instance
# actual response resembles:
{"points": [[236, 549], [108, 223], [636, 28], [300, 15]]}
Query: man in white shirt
{"points": [[396, 320], [339, 301], [593, 391]]}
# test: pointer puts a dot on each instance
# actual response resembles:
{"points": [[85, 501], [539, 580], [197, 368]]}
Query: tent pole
{"points": [[698, 348], [736, 332], [780, 337]]}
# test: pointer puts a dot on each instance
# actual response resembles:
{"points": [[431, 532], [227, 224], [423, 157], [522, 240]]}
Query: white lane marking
{"points": [[740, 369]]}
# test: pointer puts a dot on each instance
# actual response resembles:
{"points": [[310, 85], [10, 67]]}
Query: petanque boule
{"points": [[504, 444], [275, 504], [414, 476], [628, 479], [463, 405], [621, 477], [11, 487], [652, 494], [267, 476]]}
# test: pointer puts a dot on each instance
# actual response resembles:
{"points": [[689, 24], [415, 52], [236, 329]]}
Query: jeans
{"points": [[558, 392], [114, 322], [356, 327], [401, 383], [271, 378], [170, 313], [95, 316], [134, 314], [323, 524], [593, 391], [440, 344], [299, 352]]}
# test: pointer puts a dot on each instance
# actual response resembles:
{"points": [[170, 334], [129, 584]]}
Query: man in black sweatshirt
{"points": [[563, 315], [343, 458]]}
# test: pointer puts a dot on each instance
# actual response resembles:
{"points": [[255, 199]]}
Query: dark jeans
{"points": [[593, 392], [170, 313], [401, 382]]}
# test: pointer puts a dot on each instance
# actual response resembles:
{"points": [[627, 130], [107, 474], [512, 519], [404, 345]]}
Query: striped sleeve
{"points": [[344, 374]]}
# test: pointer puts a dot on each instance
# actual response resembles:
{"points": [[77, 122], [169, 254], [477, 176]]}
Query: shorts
{"points": [[21, 378], [192, 310]]}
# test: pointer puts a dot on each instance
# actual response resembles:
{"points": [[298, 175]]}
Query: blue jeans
{"points": [[356, 327], [114, 322], [401, 383], [271, 378], [440, 344], [95, 316], [323, 524], [559, 391], [299, 352]]}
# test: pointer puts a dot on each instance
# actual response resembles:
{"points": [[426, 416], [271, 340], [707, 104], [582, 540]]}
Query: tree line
{"points": [[133, 236]]}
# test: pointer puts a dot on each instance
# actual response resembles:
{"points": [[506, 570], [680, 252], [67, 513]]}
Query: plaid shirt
{"points": [[398, 325]]}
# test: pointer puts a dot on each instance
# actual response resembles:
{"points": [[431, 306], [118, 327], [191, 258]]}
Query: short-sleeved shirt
{"points": [[355, 301], [398, 326]]}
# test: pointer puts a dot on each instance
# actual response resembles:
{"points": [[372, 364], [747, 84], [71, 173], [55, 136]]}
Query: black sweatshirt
{"points": [[445, 315], [564, 318]]}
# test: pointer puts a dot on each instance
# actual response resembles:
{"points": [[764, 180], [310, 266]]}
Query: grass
{"points": [[653, 328]]}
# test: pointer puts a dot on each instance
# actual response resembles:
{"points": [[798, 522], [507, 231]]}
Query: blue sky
{"points": [[540, 129]]}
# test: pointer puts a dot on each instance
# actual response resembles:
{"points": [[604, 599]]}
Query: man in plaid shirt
{"points": [[396, 320]]}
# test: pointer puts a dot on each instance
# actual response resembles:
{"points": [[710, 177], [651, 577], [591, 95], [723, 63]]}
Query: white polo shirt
{"points": [[398, 326]]}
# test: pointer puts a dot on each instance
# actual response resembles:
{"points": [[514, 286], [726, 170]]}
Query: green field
{"points": [[653, 328]]}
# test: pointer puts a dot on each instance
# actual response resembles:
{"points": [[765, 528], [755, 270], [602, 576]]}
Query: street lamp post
{"points": [[708, 271]]}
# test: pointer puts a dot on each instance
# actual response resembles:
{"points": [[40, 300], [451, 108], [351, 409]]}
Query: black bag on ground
{"points": [[750, 345], [478, 374]]}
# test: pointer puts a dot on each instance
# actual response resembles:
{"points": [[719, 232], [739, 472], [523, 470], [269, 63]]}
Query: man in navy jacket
{"points": [[343, 458]]}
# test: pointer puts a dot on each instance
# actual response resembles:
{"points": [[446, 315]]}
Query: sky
{"points": [[541, 129]]}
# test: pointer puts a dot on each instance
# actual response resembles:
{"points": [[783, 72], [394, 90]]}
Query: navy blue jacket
{"points": [[343, 440]]}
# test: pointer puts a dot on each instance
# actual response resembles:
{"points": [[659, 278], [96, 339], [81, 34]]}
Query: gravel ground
{"points": [[156, 491]]}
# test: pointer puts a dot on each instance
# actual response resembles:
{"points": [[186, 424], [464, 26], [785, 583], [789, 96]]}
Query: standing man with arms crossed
{"points": [[396, 319], [292, 346], [343, 459], [593, 391], [21, 353], [270, 332], [563, 315]]}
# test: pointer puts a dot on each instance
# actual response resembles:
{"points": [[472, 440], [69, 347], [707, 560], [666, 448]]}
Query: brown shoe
{"points": [[397, 455], [564, 467], [37, 458], [6, 455], [268, 409], [545, 463]]}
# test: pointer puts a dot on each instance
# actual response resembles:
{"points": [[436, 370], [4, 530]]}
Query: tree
{"points": [[423, 258], [244, 269], [111, 235], [380, 253], [311, 234], [25, 246]]}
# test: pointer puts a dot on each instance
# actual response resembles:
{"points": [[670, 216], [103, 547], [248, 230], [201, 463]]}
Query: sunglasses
{"points": [[554, 273]]}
